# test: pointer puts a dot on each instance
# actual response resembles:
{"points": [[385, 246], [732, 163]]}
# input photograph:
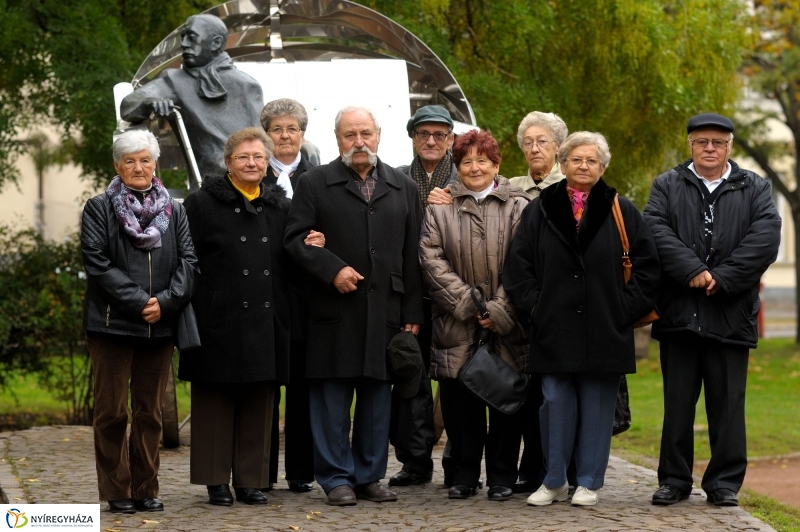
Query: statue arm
{"points": [[155, 97]]}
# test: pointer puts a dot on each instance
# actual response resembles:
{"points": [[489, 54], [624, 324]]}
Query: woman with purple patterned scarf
{"points": [[141, 266]]}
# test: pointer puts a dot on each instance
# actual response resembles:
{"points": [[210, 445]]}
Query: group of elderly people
{"points": [[544, 248]]}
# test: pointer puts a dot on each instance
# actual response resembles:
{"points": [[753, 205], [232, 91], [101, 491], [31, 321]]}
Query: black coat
{"points": [[241, 300], [349, 333], [121, 277], [571, 283], [747, 234]]}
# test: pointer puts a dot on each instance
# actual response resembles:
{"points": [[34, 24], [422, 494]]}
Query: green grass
{"points": [[772, 404], [779, 516], [772, 415]]}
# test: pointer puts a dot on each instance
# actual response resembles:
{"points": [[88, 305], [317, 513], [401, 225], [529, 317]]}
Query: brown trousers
{"points": [[231, 431], [125, 471]]}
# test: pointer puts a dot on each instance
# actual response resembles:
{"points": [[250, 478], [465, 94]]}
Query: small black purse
{"points": [[187, 335], [622, 410], [488, 376]]}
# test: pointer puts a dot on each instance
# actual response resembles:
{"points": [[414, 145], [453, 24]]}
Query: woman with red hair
{"points": [[465, 244]]}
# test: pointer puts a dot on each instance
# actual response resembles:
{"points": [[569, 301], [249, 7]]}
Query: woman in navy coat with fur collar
{"points": [[564, 271]]}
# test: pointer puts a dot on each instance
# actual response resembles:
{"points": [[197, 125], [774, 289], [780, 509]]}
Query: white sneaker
{"points": [[584, 497], [544, 495]]}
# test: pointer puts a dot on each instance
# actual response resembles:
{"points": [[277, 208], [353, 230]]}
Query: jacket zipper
{"points": [[150, 274], [108, 314]]}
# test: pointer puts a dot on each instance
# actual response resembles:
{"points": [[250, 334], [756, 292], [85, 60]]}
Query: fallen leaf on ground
{"points": [[33, 480], [65, 439], [294, 527], [316, 513], [150, 522], [111, 530]]}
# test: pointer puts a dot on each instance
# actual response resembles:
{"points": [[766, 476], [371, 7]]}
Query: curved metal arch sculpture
{"points": [[321, 30]]}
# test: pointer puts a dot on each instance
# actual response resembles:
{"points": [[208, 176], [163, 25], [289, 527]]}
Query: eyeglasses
{"points": [[541, 143], [439, 136], [702, 143], [291, 130], [242, 159], [577, 161]]}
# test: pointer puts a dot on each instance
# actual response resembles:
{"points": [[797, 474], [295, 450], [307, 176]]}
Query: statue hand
{"points": [[162, 106]]}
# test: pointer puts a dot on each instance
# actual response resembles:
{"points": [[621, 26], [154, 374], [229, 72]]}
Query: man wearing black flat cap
{"points": [[412, 429], [717, 230]]}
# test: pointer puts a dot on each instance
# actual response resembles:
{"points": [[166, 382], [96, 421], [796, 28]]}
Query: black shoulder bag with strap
{"points": [[487, 375]]}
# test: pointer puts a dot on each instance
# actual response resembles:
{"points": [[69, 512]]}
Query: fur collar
{"points": [[558, 211], [222, 189]]}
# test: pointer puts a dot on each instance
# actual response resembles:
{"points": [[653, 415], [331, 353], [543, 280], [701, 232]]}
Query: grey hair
{"points": [[248, 133], [133, 141], [350, 109], [585, 138], [284, 107], [549, 121]]}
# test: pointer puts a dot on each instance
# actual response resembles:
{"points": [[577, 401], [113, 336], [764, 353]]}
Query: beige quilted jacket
{"points": [[462, 245]]}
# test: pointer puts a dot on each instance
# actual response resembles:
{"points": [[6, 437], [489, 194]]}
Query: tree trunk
{"points": [[796, 221]]}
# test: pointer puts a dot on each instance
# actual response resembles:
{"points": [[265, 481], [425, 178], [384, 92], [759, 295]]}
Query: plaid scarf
{"points": [[439, 177], [143, 222]]}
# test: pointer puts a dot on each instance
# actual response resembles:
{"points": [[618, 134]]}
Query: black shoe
{"points": [[499, 493], [461, 491], [667, 494], [250, 496], [122, 506], [220, 495], [526, 486], [299, 486], [267, 489], [723, 497], [407, 477], [151, 504]]}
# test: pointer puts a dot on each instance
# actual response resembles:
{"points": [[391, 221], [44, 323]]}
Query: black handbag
{"points": [[187, 335], [488, 376], [622, 410]]}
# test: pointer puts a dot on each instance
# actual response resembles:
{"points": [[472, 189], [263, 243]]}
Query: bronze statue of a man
{"points": [[215, 98]]}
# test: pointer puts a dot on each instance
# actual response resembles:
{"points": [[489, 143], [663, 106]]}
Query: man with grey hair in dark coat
{"points": [[367, 288], [717, 230]]}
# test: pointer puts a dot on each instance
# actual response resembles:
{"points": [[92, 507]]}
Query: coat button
{"points": [[246, 272], [264, 239], [372, 210], [579, 310], [371, 288], [266, 304], [577, 275], [244, 304], [242, 238], [259, 209], [266, 272], [372, 250], [237, 210]]}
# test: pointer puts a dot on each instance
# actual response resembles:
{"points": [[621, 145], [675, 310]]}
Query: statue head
{"points": [[202, 39]]}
